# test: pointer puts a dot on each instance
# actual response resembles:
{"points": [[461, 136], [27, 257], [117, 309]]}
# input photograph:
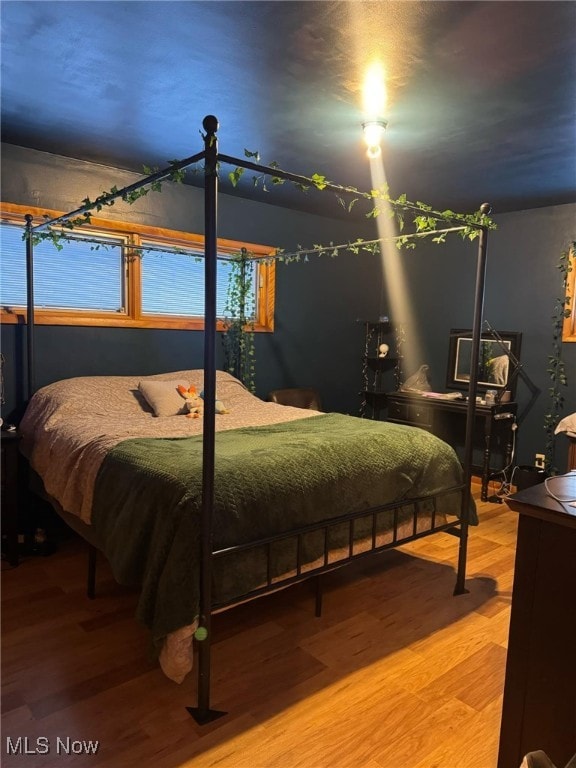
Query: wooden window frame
{"points": [[569, 325], [133, 317]]}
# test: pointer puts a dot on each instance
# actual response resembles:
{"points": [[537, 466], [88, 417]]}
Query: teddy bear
{"points": [[194, 403]]}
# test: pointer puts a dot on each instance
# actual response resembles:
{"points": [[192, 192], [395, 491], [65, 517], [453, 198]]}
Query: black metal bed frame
{"points": [[203, 713]]}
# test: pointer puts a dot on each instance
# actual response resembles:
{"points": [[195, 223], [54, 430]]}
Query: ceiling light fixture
{"points": [[373, 133], [374, 100]]}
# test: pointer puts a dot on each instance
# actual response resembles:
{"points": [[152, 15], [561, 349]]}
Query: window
{"points": [[569, 327], [121, 274], [162, 295], [72, 279]]}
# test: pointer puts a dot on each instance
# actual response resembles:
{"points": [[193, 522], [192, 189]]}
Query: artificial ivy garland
{"points": [[238, 338], [556, 369], [239, 315]]}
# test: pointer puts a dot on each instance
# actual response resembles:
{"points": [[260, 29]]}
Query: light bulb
{"points": [[373, 132]]}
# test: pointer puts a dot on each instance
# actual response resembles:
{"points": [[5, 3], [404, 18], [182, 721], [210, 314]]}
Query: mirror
{"points": [[497, 363]]}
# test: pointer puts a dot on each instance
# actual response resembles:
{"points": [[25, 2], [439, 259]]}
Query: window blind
{"points": [[82, 275], [173, 282], [87, 274]]}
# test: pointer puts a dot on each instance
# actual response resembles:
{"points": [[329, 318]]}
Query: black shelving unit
{"points": [[379, 372]]}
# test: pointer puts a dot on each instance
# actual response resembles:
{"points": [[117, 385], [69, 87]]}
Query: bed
{"points": [[291, 547], [297, 492]]}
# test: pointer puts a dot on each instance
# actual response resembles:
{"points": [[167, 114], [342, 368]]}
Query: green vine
{"points": [[355, 247], [238, 338], [425, 218], [239, 319], [556, 369], [106, 199]]}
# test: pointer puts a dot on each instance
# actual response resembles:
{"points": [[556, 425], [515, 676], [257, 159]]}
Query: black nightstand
{"points": [[10, 483]]}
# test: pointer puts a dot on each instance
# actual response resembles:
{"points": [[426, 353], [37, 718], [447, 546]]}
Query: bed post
{"points": [[202, 713], [460, 589], [30, 360]]}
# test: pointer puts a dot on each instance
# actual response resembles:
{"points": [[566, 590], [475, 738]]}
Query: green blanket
{"points": [[268, 479]]}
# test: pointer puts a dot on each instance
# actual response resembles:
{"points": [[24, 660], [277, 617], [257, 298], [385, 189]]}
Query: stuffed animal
{"points": [[220, 407], [194, 404]]}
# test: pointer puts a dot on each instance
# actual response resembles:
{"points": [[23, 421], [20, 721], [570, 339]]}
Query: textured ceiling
{"points": [[481, 95]]}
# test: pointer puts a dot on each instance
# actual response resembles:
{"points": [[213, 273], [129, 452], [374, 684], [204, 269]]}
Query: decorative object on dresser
{"points": [[418, 382], [499, 371], [497, 365]]}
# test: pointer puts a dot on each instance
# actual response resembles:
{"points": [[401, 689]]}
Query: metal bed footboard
{"points": [[357, 547], [458, 526]]}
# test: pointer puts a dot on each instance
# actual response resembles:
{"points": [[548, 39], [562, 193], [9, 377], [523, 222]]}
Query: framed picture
{"points": [[497, 361]]}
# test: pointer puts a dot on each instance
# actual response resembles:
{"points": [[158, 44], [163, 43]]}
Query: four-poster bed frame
{"points": [[212, 158]]}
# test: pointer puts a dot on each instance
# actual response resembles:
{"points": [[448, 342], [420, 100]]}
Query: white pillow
{"points": [[163, 397]]}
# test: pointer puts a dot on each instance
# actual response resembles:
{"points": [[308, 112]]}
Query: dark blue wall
{"points": [[522, 285], [317, 340]]}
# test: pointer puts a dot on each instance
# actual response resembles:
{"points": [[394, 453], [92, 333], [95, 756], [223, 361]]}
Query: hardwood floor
{"points": [[397, 673]]}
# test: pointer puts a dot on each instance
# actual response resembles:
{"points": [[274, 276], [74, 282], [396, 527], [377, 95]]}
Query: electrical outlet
{"points": [[539, 460]]}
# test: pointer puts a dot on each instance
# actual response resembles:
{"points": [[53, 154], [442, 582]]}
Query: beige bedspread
{"points": [[70, 425]]}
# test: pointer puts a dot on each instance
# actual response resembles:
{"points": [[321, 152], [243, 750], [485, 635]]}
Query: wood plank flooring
{"points": [[397, 673]]}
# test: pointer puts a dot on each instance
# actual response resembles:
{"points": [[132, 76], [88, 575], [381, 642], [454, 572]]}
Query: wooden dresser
{"points": [[539, 708]]}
